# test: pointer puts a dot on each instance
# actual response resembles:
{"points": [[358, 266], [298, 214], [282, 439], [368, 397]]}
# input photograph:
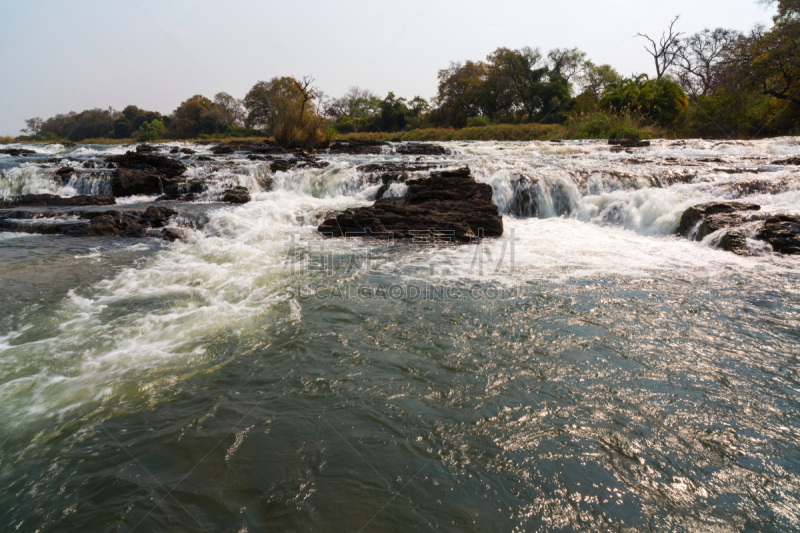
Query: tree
{"points": [[704, 59], [665, 52], [661, 99], [230, 108], [770, 60], [595, 78], [33, 126], [196, 116], [151, 131], [461, 94]]}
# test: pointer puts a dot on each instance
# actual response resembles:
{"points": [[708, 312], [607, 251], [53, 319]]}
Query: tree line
{"points": [[716, 83]]}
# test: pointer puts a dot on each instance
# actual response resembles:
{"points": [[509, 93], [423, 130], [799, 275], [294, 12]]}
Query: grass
{"points": [[496, 132], [602, 125], [7, 139], [103, 140]]}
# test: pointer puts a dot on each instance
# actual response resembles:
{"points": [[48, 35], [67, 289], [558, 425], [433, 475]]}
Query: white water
{"points": [[596, 216]]}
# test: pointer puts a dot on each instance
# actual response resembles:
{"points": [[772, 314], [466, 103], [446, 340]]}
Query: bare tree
{"points": [[665, 52], [34, 126], [703, 60]]}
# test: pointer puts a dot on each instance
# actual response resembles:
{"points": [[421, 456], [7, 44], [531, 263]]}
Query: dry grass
{"points": [[7, 139], [498, 132]]}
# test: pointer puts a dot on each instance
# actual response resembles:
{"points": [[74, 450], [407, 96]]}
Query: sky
{"points": [[58, 56]]}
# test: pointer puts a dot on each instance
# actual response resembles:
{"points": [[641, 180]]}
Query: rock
{"points": [[265, 147], [253, 157], [628, 143], [790, 161], [177, 150], [16, 152], [146, 148], [782, 232], [396, 140], [130, 182], [734, 241], [237, 195], [715, 216], [357, 147], [556, 141], [451, 204], [420, 149], [156, 217], [398, 167], [173, 234], [148, 163], [282, 165], [42, 200], [64, 172], [204, 158]]}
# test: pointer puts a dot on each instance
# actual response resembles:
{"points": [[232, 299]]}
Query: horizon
{"points": [[192, 48]]}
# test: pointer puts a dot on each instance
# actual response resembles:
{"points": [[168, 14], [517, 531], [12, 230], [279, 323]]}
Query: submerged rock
{"points": [[148, 163], [51, 200], [420, 149], [357, 147], [16, 152], [628, 143], [237, 195], [734, 241], [782, 232], [448, 206], [715, 216], [133, 224]]}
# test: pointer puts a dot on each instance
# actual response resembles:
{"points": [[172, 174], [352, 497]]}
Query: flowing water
{"points": [[587, 372]]}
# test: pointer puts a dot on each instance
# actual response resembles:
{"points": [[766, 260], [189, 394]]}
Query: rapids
{"points": [[589, 371]]}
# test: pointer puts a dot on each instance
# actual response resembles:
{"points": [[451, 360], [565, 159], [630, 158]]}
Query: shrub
{"points": [[476, 122], [5, 139], [605, 125], [151, 131]]}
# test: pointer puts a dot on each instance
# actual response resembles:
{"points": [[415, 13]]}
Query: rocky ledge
{"points": [[51, 200], [132, 224], [143, 172], [448, 206], [782, 232]]}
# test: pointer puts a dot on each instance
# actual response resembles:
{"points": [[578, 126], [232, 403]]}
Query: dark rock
{"points": [[156, 217], [177, 150], [134, 231], [715, 216], [398, 167], [41, 200], [148, 163], [204, 158], [420, 149], [315, 163], [237, 195], [253, 157], [130, 182], [783, 233], [356, 147], [173, 234], [451, 204], [63, 172], [628, 143], [146, 148], [556, 141], [786, 162], [16, 152], [396, 140], [282, 165], [734, 241], [265, 147]]}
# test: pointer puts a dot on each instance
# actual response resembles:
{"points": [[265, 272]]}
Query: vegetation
{"points": [[716, 83]]}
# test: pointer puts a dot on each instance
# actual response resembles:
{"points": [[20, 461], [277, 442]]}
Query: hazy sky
{"points": [[58, 56]]}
